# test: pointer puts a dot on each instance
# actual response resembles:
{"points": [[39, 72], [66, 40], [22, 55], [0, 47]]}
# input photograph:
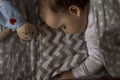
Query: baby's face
{"points": [[27, 32], [67, 22]]}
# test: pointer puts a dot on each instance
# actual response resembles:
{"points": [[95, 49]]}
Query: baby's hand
{"points": [[68, 75], [28, 31]]}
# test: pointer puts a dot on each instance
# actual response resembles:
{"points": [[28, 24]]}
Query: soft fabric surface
{"points": [[107, 21], [51, 53]]}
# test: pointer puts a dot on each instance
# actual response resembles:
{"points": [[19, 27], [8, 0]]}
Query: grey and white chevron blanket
{"points": [[51, 53]]}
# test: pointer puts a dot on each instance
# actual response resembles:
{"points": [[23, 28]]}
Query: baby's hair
{"points": [[63, 5]]}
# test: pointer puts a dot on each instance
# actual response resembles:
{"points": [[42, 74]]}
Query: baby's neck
{"points": [[85, 15]]}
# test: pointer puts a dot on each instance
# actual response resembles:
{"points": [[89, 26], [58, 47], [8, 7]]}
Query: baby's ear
{"points": [[74, 10]]}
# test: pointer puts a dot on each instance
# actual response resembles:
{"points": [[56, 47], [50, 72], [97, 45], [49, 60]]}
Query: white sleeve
{"points": [[90, 66], [93, 63]]}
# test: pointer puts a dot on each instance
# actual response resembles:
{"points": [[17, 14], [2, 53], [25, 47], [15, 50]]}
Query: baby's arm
{"points": [[92, 65], [4, 34], [89, 67]]}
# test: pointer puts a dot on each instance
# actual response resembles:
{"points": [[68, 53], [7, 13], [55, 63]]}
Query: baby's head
{"points": [[27, 32], [69, 15]]}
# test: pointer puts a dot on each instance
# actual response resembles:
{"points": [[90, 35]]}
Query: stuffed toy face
{"points": [[27, 32]]}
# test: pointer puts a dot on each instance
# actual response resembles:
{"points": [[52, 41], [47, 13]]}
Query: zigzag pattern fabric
{"points": [[51, 53], [58, 52]]}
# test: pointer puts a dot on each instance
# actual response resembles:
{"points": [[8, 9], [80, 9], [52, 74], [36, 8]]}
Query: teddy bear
{"points": [[11, 18]]}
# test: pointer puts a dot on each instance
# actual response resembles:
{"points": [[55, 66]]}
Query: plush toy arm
{"points": [[5, 34]]}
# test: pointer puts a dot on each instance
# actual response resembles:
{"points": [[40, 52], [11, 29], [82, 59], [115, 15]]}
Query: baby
{"points": [[12, 19], [101, 30]]}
